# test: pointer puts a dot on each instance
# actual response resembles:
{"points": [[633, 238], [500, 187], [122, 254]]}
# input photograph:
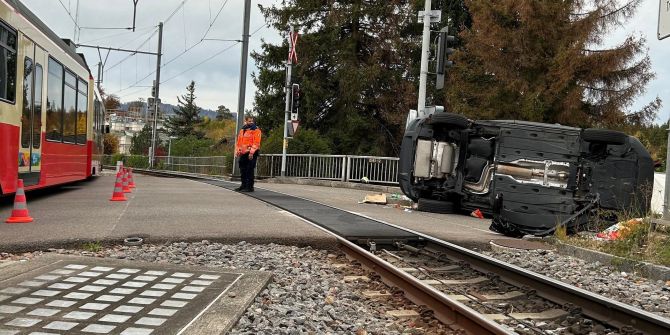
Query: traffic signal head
{"points": [[443, 51], [295, 98]]}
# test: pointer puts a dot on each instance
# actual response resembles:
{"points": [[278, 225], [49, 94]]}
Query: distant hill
{"points": [[168, 110]]}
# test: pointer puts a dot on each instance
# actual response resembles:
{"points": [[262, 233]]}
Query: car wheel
{"points": [[436, 206], [604, 136], [451, 119]]}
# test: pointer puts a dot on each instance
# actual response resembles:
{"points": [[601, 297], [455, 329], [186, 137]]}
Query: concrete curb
{"points": [[331, 183], [644, 269], [325, 243]]}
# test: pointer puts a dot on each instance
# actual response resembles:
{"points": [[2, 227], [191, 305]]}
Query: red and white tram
{"points": [[50, 119]]}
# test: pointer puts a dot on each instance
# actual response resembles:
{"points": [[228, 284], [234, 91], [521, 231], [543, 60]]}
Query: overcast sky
{"points": [[217, 80]]}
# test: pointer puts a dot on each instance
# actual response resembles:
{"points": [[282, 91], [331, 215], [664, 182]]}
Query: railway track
{"points": [[464, 289]]}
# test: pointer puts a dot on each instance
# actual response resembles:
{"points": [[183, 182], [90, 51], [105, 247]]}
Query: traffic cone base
{"points": [[131, 182], [124, 181], [20, 211], [20, 220], [118, 190]]}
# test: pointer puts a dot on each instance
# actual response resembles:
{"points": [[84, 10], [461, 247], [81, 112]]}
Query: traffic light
{"points": [[443, 52], [153, 89], [295, 98]]}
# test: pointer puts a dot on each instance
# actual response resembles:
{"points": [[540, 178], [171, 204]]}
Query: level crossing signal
{"points": [[443, 52], [295, 101]]}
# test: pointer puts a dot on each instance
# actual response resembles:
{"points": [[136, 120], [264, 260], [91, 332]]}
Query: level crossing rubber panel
{"points": [[343, 223], [86, 295]]}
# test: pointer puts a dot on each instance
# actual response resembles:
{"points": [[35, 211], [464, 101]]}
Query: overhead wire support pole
{"points": [[423, 76], [243, 77], [287, 109], [134, 12], [152, 156]]}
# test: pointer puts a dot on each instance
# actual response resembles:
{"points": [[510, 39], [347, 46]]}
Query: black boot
{"points": [[240, 189]]}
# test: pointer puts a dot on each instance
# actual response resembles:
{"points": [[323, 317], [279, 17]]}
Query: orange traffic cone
{"points": [[118, 189], [20, 212], [131, 182], [126, 189], [477, 214]]}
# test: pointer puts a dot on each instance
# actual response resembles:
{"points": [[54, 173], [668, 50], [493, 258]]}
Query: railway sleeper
{"points": [[551, 314], [434, 282], [486, 297]]}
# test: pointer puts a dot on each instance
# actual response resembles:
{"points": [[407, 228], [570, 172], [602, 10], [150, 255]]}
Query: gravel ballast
{"points": [[649, 295], [307, 295]]}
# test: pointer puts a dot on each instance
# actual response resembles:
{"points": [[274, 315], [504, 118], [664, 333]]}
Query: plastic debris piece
{"points": [[477, 214], [379, 199], [618, 230]]}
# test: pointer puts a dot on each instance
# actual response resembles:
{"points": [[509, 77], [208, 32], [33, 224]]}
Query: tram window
{"points": [[82, 109], [37, 122], [26, 116], [55, 101], [7, 63], [70, 108]]}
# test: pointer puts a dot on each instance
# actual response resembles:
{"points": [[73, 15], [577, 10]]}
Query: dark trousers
{"points": [[247, 167]]}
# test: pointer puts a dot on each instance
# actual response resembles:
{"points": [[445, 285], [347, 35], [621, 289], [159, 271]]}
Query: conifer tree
{"points": [[187, 118], [545, 61]]}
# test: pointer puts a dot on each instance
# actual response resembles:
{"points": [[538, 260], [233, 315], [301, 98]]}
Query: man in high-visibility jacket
{"points": [[247, 151]]}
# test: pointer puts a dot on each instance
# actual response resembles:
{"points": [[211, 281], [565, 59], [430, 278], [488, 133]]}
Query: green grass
{"points": [[641, 243], [92, 246]]}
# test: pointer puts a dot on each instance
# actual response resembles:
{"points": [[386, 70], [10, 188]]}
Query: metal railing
{"points": [[372, 169], [369, 169], [212, 165]]}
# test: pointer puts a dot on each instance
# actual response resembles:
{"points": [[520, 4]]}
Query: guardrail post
{"points": [[309, 168], [272, 166], [348, 169], [344, 168]]}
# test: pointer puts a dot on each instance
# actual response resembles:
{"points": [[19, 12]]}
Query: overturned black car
{"points": [[530, 177]]}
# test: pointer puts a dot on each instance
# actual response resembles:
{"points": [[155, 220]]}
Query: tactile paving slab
{"points": [[78, 295]]}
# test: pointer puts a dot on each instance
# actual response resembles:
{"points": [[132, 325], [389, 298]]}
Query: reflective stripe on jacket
{"points": [[249, 140]]}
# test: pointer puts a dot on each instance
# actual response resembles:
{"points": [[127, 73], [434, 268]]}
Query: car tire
{"points": [[604, 136], [436, 206], [450, 119]]}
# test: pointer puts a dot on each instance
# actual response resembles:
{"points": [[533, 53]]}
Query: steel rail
{"points": [[445, 309], [593, 305]]}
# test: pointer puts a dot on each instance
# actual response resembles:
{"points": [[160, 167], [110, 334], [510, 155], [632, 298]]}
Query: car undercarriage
{"points": [[529, 177]]}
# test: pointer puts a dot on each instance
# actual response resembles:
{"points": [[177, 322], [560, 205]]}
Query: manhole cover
{"points": [[87, 295]]}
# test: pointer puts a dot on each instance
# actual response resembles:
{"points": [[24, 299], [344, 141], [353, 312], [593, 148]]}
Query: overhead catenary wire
{"points": [[69, 14], [132, 54], [203, 38], [175, 11], [118, 34], [151, 73], [202, 62], [146, 41]]}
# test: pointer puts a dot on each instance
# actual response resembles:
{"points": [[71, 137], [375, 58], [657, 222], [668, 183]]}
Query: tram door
{"points": [[30, 148]]}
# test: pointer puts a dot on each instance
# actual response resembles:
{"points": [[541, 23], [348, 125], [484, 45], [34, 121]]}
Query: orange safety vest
{"points": [[248, 140]]}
